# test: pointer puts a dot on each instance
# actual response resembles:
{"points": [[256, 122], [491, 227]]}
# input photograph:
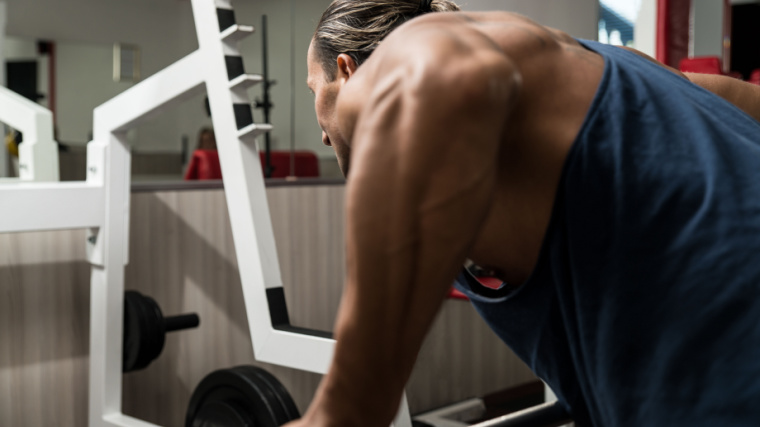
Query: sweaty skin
{"points": [[455, 132]]}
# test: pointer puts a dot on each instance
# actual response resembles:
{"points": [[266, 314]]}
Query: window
{"points": [[616, 21]]}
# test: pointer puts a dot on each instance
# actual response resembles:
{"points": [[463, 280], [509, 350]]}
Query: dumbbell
{"points": [[551, 414], [243, 396], [247, 396], [145, 329]]}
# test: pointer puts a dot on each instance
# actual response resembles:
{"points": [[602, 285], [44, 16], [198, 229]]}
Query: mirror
{"points": [[83, 76], [617, 19]]}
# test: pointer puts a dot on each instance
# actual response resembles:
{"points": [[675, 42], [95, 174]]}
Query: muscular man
{"points": [[618, 200]]}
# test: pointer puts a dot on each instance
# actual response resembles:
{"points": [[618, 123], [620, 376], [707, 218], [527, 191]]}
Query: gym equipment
{"points": [[266, 104], [38, 154], [145, 329], [547, 415], [247, 395], [244, 396]]}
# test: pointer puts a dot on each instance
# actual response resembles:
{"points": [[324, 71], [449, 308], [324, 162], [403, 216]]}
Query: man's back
{"points": [[557, 82], [644, 308]]}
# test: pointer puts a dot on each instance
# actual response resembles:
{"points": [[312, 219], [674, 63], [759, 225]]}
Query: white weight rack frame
{"points": [[38, 155], [101, 205]]}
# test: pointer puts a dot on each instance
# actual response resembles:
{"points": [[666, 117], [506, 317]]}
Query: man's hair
{"points": [[356, 27]]}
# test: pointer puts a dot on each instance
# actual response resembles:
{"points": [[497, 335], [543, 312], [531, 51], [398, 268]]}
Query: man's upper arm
{"points": [[745, 96], [424, 158], [431, 132]]}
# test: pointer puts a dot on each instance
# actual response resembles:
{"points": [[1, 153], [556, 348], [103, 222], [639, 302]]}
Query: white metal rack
{"points": [[38, 155]]}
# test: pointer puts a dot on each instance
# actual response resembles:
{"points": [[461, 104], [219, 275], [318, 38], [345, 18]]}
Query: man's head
{"points": [[347, 34]]}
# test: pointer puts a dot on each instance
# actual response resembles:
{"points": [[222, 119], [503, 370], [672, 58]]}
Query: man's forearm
{"points": [[368, 373]]}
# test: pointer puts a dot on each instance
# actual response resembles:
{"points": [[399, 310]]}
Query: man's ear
{"points": [[346, 67]]}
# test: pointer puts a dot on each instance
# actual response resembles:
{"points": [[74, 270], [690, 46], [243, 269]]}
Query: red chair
{"points": [[205, 164], [305, 164], [701, 65]]}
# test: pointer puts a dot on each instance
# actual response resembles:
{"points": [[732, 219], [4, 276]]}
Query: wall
{"points": [[85, 80], [25, 49], [87, 30], [645, 31], [579, 18], [165, 32], [706, 28]]}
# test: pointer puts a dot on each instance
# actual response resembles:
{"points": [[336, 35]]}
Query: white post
{"points": [[645, 28], [4, 158]]}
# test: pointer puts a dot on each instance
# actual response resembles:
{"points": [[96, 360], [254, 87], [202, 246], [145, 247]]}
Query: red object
{"points": [[305, 164], [205, 165], [489, 282], [701, 65], [672, 31], [755, 77], [455, 294], [663, 30]]}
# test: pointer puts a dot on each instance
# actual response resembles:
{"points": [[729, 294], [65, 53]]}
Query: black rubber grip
{"points": [[183, 321], [226, 18], [243, 115], [235, 66]]}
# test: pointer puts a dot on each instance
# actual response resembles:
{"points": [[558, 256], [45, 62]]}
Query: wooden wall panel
{"points": [[44, 322], [182, 255]]}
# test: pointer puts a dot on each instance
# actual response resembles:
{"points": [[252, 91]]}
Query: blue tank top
{"points": [[644, 306]]}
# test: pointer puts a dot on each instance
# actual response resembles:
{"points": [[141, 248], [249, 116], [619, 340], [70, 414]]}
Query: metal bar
{"points": [[547, 415], [180, 322], [151, 96], [50, 206], [267, 105]]}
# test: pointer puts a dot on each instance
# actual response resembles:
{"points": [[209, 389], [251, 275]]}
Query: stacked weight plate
{"points": [[244, 396]]}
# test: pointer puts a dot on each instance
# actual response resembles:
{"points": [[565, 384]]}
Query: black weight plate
{"points": [[241, 395], [279, 390], [154, 329], [143, 331], [131, 343], [137, 337], [250, 373], [224, 414]]}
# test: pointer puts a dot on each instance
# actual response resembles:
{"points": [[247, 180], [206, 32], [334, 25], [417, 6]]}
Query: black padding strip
{"points": [[226, 18], [243, 115], [234, 66], [304, 331], [278, 308], [278, 312]]}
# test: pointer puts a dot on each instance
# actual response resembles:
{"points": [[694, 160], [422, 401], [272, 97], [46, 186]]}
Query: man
{"points": [[618, 201]]}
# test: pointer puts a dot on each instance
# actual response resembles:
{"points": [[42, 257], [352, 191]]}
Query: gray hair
{"points": [[356, 27]]}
